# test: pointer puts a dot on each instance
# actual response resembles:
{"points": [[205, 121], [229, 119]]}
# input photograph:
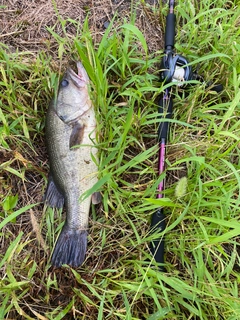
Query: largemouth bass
{"points": [[70, 136]]}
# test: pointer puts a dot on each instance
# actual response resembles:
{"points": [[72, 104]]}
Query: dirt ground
{"points": [[24, 23], [24, 28]]}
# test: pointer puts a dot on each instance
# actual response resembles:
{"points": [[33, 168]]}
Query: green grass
{"points": [[119, 279]]}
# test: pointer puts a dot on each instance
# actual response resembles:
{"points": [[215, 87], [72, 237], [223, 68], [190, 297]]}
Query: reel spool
{"points": [[175, 68]]}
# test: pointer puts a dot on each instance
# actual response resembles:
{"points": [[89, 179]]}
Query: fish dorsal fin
{"points": [[77, 134]]}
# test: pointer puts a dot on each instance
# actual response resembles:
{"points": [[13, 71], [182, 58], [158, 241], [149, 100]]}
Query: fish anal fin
{"points": [[96, 197], [77, 134], [52, 196]]}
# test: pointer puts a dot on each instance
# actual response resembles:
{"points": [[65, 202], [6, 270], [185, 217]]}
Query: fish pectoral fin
{"points": [[77, 134], [96, 197], [53, 197]]}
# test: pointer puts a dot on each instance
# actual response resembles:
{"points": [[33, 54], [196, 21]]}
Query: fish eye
{"points": [[64, 83]]}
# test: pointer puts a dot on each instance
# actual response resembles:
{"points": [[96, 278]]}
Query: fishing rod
{"points": [[174, 68]]}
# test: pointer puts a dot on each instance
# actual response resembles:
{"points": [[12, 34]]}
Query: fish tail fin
{"points": [[70, 248]]}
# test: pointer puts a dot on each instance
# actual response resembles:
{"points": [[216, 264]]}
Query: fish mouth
{"points": [[80, 78]]}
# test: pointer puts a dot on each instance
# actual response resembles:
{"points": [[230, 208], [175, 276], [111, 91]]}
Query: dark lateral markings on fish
{"points": [[70, 123]]}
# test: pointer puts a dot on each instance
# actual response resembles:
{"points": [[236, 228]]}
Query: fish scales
{"points": [[72, 181], [70, 135]]}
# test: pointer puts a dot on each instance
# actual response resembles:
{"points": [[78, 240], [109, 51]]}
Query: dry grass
{"points": [[23, 23], [117, 262], [23, 26]]}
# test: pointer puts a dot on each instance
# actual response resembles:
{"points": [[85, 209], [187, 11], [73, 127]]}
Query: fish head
{"points": [[73, 98]]}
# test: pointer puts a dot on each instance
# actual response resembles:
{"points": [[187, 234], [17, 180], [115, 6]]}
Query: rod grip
{"points": [[170, 31], [158, 223], [165, 110]]}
